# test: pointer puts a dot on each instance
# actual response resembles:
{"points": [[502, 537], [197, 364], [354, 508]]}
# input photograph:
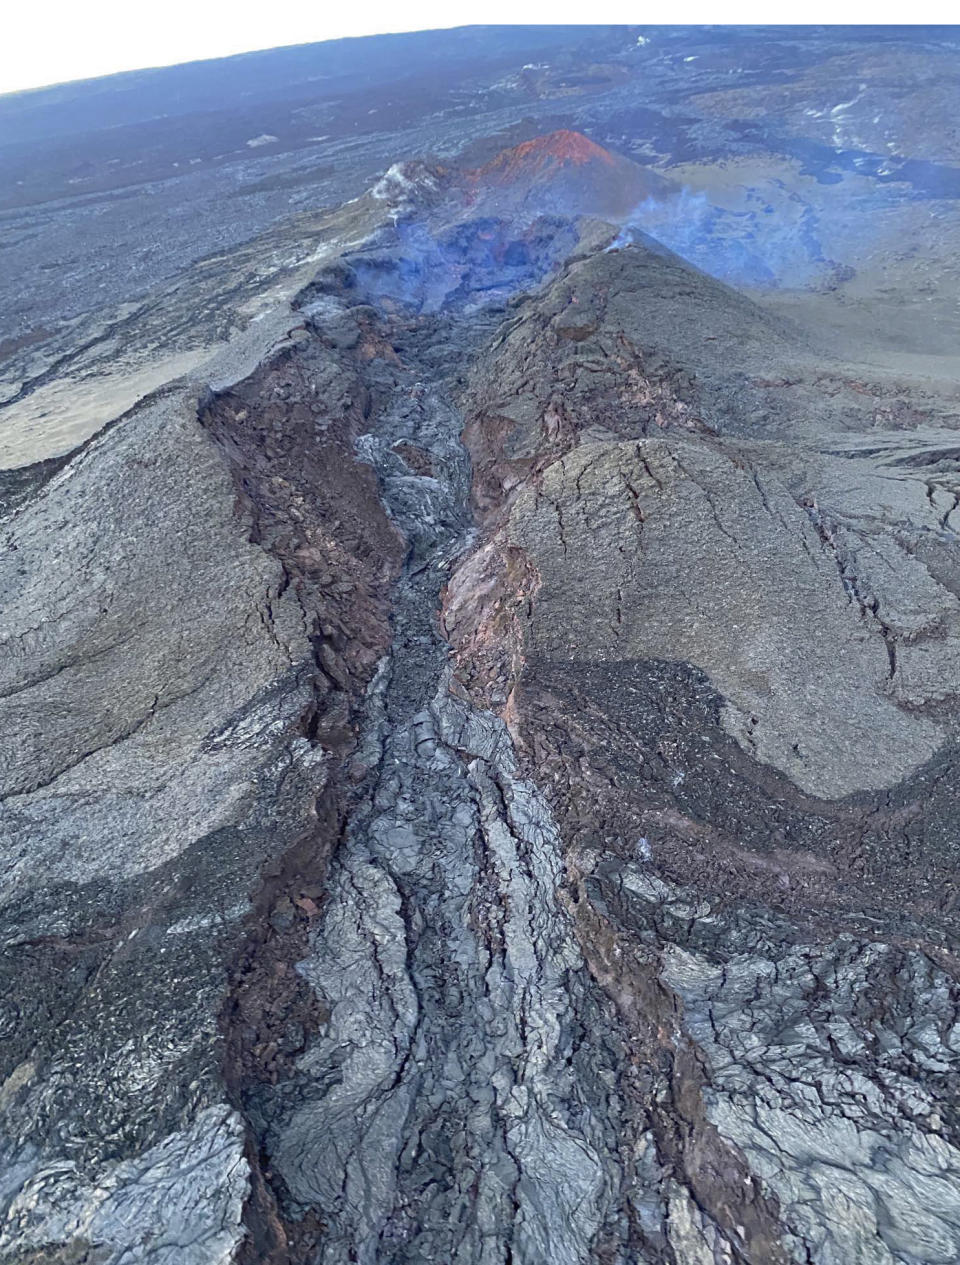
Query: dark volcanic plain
{"points": [[480, 572]]}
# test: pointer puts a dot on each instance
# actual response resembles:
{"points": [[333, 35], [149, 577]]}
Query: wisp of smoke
{"points": [[755, 248], [474, 262]]}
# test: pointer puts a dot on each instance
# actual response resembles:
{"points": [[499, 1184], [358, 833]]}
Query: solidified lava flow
{"points": [[480, 776]]}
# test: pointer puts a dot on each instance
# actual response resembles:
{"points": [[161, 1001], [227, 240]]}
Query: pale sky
{"points": [[50, 41]]}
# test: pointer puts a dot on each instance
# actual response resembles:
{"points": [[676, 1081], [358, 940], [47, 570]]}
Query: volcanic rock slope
{"points": [[479, 767]]}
